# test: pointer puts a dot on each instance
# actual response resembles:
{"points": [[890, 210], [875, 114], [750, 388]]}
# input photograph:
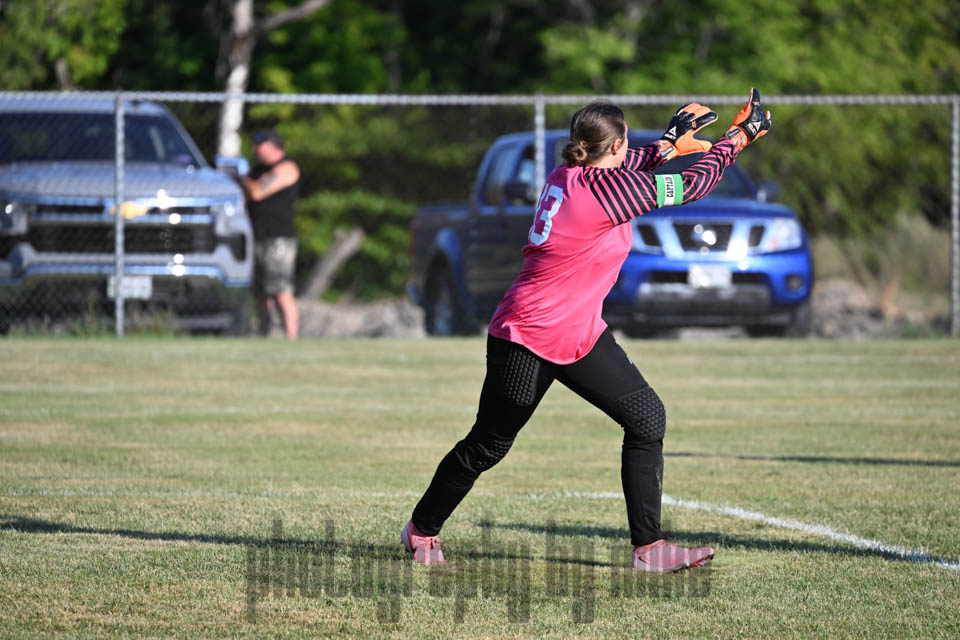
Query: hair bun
{"points": [[575, 153]]}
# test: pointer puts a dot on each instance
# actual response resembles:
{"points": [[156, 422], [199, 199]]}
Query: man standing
{"points": [[271, 188]]}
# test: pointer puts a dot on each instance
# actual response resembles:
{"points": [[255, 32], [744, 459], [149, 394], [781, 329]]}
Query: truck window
{"points": [[501, 172], [526, 173], [527, 169], [54, 137]]}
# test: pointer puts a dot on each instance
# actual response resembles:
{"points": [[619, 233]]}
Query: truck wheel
{"points": [[637, 330], [798, 327], [444, 314]]}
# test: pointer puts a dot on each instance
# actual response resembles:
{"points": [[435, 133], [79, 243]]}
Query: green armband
{"points": [[669, 190]]}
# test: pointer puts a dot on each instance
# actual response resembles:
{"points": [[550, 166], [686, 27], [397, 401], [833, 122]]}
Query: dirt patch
{"points": [[844, 309], [384, 319]]}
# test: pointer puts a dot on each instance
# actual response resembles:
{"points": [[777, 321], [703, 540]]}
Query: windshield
{"points": [[53, 137]]}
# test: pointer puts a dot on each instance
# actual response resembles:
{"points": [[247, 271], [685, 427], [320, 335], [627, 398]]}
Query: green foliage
{"points": [[565, 46], [339, 49], [81, 35], [166, 46], [380, 265]]}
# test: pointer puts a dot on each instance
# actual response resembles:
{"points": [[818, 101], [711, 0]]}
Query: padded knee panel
{"points": [[495, 451], [519, 371], [644, 415]]}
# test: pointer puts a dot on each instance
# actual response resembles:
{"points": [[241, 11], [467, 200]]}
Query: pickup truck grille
{"points": [[648, 234], [136, 239], [703, 235], [682, 277], [82, 209], [6, 246], [97, 209]]}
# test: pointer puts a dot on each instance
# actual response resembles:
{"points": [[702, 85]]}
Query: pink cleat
{"points": [[663, 557], [424, 549]]}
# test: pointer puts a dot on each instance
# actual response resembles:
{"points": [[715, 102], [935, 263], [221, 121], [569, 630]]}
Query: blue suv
{"points": [[730, 259]]}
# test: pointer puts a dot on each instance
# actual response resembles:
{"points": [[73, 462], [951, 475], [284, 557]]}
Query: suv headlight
{"points": [[782, 234], [231, 217]]}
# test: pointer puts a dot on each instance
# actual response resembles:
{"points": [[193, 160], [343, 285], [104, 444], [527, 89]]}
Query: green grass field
{"points": [[139, 477]]}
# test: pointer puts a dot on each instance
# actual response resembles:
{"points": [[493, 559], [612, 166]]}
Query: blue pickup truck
{"points": [[730, 259]]}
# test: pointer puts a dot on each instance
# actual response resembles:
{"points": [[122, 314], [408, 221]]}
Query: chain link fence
{"points": [[110, 228]]}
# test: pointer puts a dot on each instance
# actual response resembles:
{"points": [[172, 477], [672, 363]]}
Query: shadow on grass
{"points": [[35, 525], [711, 538], [818, 459], [326, 544]]}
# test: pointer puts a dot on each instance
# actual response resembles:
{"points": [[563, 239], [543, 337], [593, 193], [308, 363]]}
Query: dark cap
{"points": [[267, 135]]}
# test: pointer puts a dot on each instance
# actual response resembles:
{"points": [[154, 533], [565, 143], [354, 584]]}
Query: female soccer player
{"points": [[548, 325]]}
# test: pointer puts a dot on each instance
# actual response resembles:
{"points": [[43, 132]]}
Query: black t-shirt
{"points": [[272, 217]]}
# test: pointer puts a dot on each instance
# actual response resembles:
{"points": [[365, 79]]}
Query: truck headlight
{"points": [[231, 217], [782, 234], [13, 216]]}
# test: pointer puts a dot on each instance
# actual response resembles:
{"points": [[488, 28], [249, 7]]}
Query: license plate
{"points": [[709, 275], [132, 287]]}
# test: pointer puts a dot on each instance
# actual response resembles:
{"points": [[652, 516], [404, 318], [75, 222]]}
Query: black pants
{"points": [[516, 381]]}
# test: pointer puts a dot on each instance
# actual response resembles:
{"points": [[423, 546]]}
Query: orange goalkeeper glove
{"points": [[678, 139], [751, 123]]}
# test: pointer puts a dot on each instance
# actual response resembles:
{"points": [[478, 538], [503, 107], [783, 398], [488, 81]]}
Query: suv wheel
{"points": [[444, 314]]}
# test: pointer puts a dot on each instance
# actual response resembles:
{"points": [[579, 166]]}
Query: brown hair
{"points": [[593, 129]]}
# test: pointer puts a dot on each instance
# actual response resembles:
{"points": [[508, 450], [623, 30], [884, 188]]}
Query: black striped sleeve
{"points": [[645, 158], [625, 192]]}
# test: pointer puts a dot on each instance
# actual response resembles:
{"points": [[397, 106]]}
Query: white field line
{"points": [[783, 523]]}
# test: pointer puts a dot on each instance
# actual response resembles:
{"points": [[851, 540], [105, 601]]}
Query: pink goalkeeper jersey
{"points": [[579, 241]]}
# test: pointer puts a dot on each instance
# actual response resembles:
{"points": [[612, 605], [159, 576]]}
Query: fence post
{"points": [[118, 218], [955, 220], [540, 140]]}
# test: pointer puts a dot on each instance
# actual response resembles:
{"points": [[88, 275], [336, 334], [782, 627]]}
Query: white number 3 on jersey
{"points": [[549, 204]]}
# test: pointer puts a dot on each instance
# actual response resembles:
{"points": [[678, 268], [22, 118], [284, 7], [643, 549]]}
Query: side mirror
{"points": [[233, 167], [519, 191], [767, 191]]}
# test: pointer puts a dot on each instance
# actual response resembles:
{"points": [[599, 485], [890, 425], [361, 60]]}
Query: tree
{"points": [[58, 43], [241, 40]]}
